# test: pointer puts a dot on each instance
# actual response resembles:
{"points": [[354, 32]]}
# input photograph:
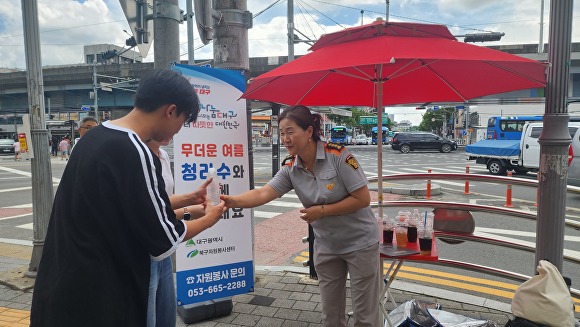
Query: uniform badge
{"points": [[334, 146], [329, 186], [351, 161], [288, 161]]}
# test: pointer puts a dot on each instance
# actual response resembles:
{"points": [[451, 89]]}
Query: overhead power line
{"points": [[270, 6]]}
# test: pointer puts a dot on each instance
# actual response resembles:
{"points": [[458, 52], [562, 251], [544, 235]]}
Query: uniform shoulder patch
{"points": [[334, 148], [289, 160], [351, 161]]}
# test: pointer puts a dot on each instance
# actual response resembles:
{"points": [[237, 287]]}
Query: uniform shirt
{"points": [[336, 175], [110, 217]]}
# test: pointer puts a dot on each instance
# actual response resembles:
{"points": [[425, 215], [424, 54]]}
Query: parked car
{"points": [[360, 139], [6, 146], [411, 141], [369, 140], [574, 155]]}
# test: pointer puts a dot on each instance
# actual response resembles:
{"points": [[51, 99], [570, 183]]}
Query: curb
{"points": [[412, 190]]}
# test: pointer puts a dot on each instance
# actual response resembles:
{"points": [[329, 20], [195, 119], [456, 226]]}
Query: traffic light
{"points": [[109, 54], [131, 42], [483, 37]]}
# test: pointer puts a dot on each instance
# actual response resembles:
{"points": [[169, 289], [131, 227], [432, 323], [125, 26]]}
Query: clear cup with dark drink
{"points": [[425, 241], [412, 227], [388, 230]]}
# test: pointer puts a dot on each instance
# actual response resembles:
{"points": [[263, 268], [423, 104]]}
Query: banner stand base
{"points": [[192, 313]]}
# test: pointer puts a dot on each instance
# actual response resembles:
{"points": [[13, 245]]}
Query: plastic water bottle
{"points": [[412, 228], [213, 189]]}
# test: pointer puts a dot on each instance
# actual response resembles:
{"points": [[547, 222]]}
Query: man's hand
{"points": [[199, 194], [214, 213]]}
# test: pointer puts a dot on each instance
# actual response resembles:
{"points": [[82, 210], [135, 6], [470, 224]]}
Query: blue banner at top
{"points": [[234, 78]]}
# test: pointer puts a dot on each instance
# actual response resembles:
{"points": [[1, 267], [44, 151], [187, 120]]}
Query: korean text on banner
{"points": [[218, 262]]}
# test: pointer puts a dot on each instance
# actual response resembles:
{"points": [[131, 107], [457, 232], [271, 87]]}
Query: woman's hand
{"points": [[312, 213], [228, 200]]}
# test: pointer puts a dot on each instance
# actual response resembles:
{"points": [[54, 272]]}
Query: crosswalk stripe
{"points": [[26, 226], [285, 204], [265, 214]]}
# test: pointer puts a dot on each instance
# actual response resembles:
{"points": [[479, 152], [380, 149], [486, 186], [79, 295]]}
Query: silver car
{"points": [[6, 146], [360, 139]]}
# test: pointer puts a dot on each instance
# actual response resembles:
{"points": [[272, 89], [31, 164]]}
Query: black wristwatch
{"points": [[186, 214]]}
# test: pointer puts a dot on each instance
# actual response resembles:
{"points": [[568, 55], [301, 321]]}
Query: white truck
{"points": [[521, 156]]}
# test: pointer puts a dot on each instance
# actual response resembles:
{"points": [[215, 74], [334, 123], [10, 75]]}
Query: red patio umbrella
{"points": [[391, 63]]}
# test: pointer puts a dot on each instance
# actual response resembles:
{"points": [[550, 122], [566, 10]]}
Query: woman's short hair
{"points": [[302, 116]]}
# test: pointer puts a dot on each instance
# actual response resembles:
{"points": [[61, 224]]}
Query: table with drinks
{"points": [[407, 237]]}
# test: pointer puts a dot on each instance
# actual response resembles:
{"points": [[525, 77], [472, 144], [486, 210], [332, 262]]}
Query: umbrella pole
{"points": [[379, 104], [379, 93]]}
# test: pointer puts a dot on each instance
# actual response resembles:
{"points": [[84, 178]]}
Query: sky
{"points": [[67, 25]]}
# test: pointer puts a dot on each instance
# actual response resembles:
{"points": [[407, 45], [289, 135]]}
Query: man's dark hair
{"points": [[89, 118], [162, 87]]}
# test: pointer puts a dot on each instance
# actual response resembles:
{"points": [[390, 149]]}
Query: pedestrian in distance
{"points": [[332, 187], [161, 306], [16, 147], [54, 146], [86, 124], [63, 147], [111, 215]]}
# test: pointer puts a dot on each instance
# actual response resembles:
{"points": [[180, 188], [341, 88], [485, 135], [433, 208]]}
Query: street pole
{"points": [[555, 139], [467, 124], [290, 14], [95, 92], [541, 43], [166, 19], [15, 125], [387, 12], [190, 20], [40, 165], [48, 100]]}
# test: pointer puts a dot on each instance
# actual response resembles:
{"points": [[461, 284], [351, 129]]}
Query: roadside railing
{"points": [[473, 236]]}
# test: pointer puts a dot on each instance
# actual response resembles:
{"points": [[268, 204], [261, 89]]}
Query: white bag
{"points": [[545, 298]]}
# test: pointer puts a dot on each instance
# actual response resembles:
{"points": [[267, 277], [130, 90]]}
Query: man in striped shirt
{"points": [[111, 215]]}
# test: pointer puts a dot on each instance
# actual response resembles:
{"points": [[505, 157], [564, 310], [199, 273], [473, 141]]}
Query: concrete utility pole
{"points": [[555, 139], [190, 20], [230, 46], [166, 19], [95, 92], [41, 169], [541, 43], [290, 15]]}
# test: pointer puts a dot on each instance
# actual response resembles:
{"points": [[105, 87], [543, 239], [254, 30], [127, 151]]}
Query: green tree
{"points": [[433, 119], [353, 121]]}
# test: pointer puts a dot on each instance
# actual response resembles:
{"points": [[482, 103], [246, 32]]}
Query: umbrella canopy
{"points": [[417, 63], [394, 63]]}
